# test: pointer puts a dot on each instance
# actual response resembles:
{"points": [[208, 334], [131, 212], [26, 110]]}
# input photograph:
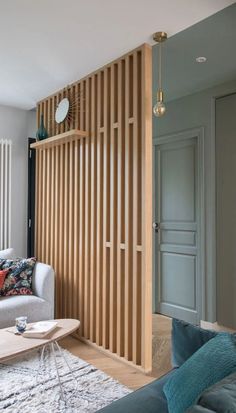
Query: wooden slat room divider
{"points": [[94, 206]]}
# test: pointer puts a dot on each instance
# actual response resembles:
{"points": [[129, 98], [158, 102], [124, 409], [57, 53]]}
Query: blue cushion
{"points": [[186, 339], [210, 364]]}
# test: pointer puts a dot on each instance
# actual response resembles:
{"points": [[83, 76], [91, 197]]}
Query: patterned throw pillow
{"points": [[18, 280], [3, 274]]}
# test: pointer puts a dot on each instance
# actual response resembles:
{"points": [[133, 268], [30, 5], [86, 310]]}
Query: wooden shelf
{"points": [[59, 139]]}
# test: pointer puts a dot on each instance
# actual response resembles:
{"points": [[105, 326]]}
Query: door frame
{"points": [[197, 133], [31, 199]]}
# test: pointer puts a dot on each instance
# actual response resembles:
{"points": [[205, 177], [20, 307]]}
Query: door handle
{"points": [[155, 226]]}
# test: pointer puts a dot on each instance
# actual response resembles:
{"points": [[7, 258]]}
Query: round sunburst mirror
{"points": [[62, 110], [69, 107]]}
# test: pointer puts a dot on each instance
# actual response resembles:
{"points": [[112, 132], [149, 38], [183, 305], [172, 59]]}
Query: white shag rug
{"points": [[25, 389]]}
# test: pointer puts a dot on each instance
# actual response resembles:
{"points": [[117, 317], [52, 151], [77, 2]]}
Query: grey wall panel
{"points": [[226, 210]]}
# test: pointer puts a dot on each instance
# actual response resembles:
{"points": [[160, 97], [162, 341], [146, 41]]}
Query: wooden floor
{"points": [[125, 374]]}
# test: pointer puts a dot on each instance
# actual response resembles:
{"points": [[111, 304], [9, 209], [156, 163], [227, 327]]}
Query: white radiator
{"points": [[5, 193]]}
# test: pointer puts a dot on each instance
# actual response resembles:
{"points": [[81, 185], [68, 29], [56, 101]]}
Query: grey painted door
{"points": [[226, 210], [176, 242]]}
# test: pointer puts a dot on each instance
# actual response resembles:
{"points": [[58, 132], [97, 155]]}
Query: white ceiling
{"points": [[214, 38], [47, 44]]}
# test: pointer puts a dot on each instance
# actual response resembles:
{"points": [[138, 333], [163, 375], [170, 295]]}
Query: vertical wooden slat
{"points": [[66, 230], [52, 206], [113, 228], [120, 211], [128, 217], [76, 223], [61, 231], [56, 128], [82, 235], [93, 213], [47, 206], [139, 204], [106, 211], [146, 209], [70, 123], [60, 125], [135, 320], [87, 221], [70, 252], [99, 231], [52, 114], [45, 120], [56, 227], [49, 118], [119, 207], [82, 273]]}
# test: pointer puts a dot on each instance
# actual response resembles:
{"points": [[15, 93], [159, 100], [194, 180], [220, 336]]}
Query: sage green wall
{"points": [[193, 111]]}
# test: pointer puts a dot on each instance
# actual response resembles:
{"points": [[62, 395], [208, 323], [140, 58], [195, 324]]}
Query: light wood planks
{"points": [[125, 374], [93, 206]]}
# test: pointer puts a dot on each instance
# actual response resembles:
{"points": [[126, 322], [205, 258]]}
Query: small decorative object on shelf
{"points": [[42, 131]]}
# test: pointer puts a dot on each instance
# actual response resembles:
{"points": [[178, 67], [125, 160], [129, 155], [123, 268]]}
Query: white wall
{"points": [[17, 125], [189, 112]]}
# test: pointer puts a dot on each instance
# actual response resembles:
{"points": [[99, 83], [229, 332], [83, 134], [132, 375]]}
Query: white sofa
{"points": [[39, 306]]}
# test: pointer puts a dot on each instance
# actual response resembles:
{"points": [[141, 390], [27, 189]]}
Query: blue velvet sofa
{"points": [[186, 340], [148, 399]]}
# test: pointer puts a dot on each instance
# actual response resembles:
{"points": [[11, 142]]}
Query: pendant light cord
{"points": [[160, 65]]}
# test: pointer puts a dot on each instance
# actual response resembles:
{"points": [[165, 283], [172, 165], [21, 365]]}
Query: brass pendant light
{"points": [[159, 108]]}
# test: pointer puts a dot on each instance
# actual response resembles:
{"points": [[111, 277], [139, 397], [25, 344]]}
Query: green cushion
{"points": [[210, 364], [148, 399]]}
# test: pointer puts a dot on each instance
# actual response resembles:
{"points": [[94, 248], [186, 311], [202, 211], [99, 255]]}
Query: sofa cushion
{"points": [[220, 398], [199, 409], [186, 340], [211, 363], [8, 253], [148, 399], [19, 278], [33, 307]]}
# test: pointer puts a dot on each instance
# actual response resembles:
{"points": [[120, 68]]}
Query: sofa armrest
{"points": [[43, 282]]}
